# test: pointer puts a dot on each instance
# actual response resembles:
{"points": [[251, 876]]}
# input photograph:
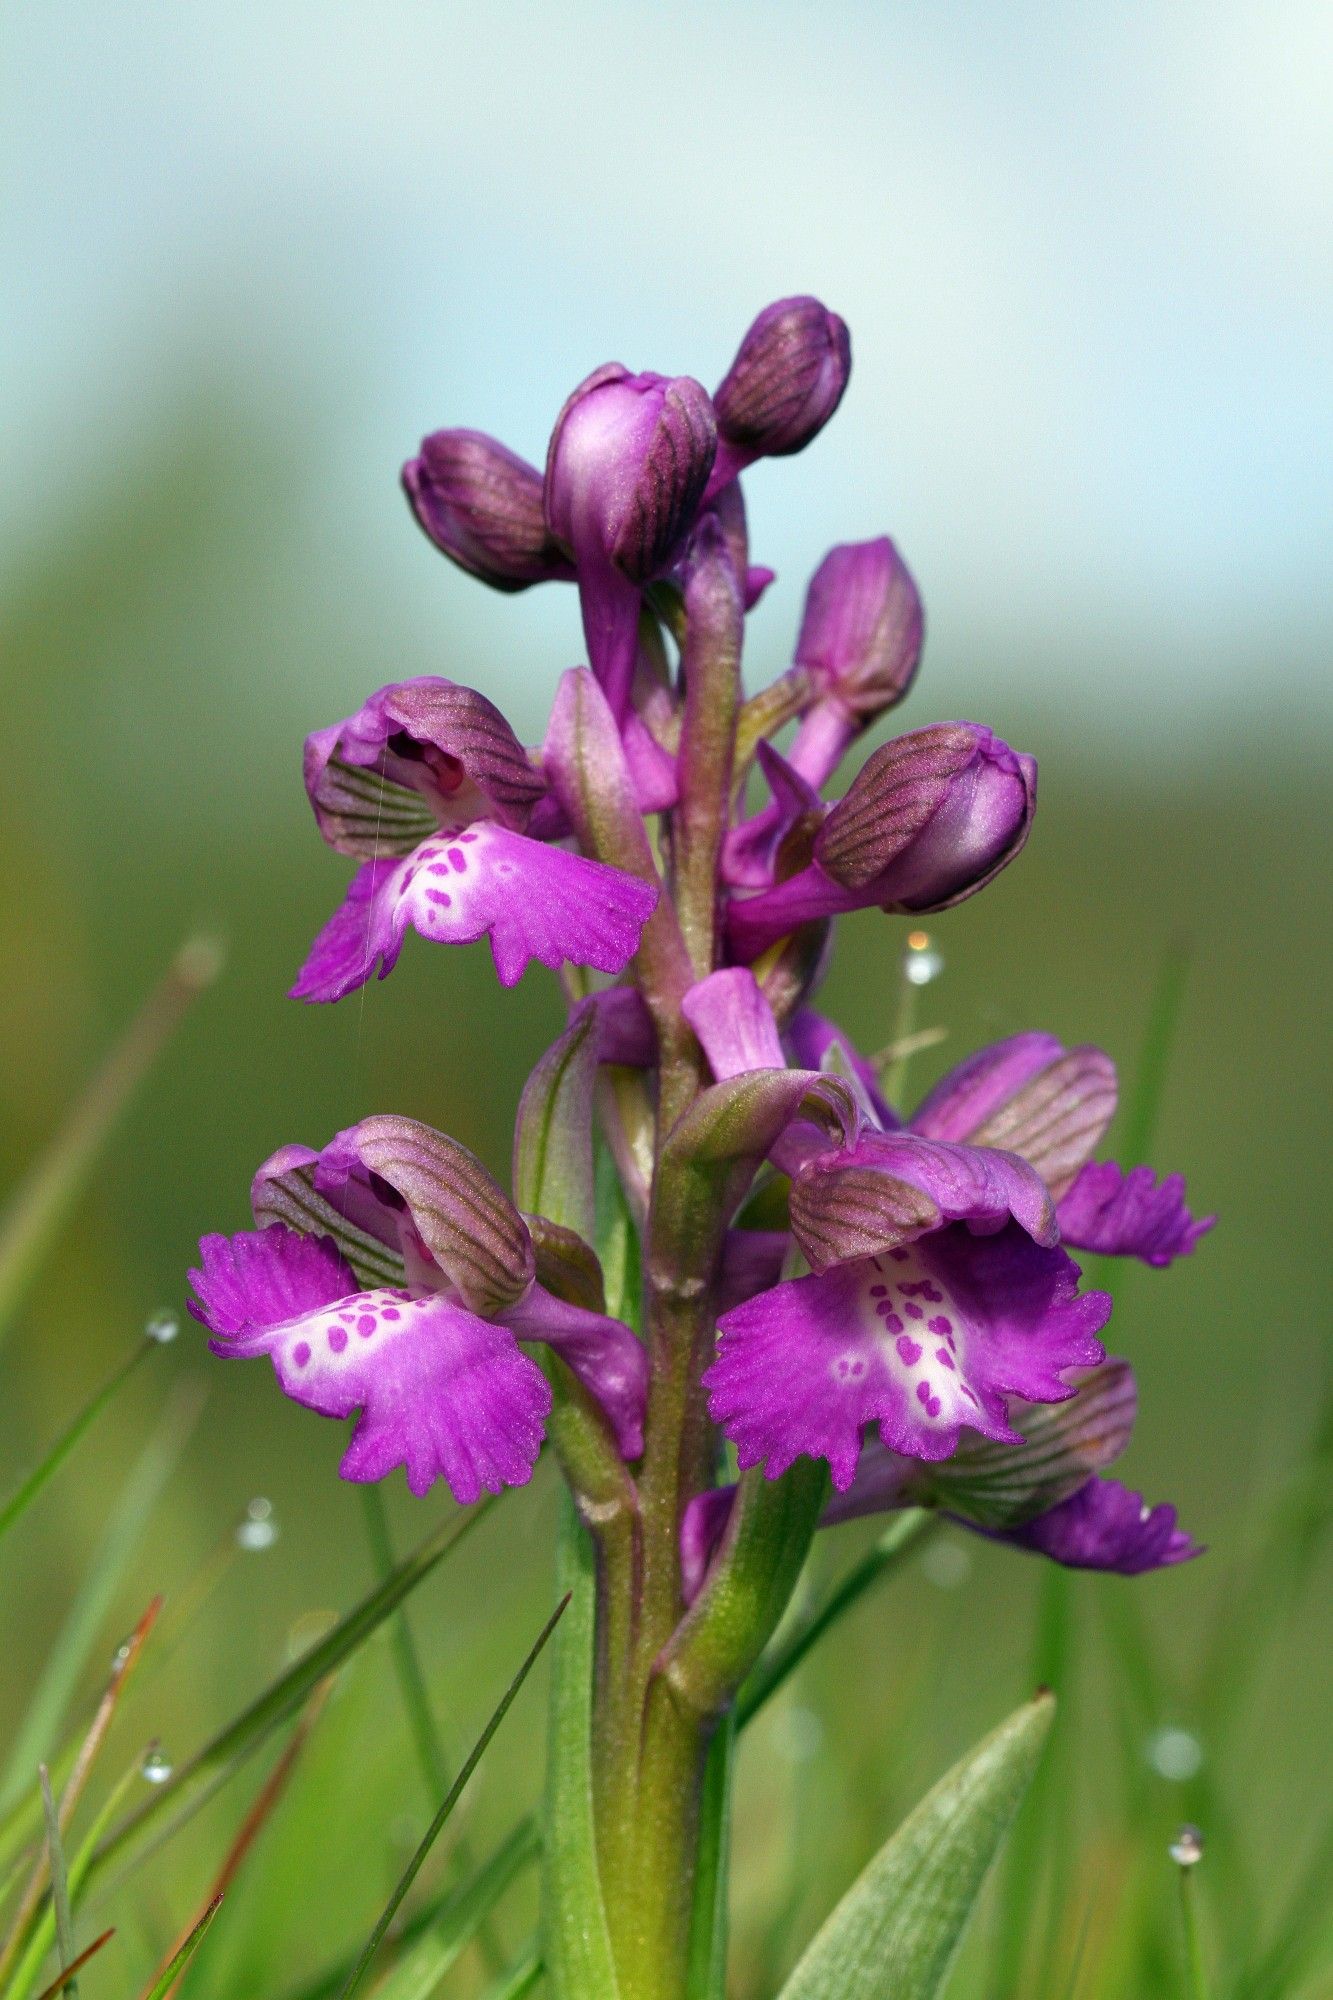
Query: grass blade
{"points": [[523, 1979], [522, 1846], [165, 1980], [81, 1762], [708, 1929], [88, 1613], [418, 1970], [43, 1931], [54, 1183], [894, 1934], [902, 1533], [23, 1496], [447, 1804], [55, 1849], [61, 1985], [199, 1777], [1039, 1847], [407, 1661]]}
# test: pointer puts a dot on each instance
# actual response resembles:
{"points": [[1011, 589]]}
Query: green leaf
{"points": [[52, 1186], [417, 1972], [618, 1246], [200, 1776], [894, 1934], [553, 1160], [180, 1958], [576, 1943], [447, 1804]]}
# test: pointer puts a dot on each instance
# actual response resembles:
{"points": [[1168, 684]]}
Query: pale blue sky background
{"points": [[1086, 252]]}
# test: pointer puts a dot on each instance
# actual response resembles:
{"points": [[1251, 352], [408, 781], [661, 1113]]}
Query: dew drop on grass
{"points": [[163, 1327], [922, 960], [156, 1766], [1175, 1754], [1187, 1848], [257, 1528], [946, 1564]]}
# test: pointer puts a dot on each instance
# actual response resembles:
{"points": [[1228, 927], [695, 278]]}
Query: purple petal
{"points": [[1130, 1214], [532, 901], [417, 753], [604, 1353], [482, 505], [365, 1229], [701, 1530], [1029, 1096], [439, 1391], [263, 1278], [893, 1186], [456, 1225], [970, 1093], [1105, 1526], [752, 1261], [924, 1341], [734, 1023], [751, 848], [930, 818]]}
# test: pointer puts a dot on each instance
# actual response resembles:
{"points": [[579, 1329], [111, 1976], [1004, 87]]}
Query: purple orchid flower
{"points": [[429, 787], [626, 471], [930, 819], [938, 1290], [1046, 1496], [391, 1276]]}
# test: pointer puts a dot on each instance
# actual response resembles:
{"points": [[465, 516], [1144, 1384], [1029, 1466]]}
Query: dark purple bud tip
{"points": [[786, 381], [628, 462], [482, 505], [863, 625]]}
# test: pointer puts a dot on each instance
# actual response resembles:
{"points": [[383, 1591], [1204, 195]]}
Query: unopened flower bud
{"points": [[931, 818], [784, 385], [628, 463], [629, 459], [861, 634], [482, 504]]}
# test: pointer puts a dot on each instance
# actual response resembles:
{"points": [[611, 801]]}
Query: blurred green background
{"points": [[251, 259]]}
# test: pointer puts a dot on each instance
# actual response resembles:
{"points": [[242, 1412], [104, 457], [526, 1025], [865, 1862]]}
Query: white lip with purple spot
{"points": [[919, 1333]]}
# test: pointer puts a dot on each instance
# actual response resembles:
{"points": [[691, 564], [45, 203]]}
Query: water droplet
{"points": [[257, 1528], [156, 1766], [922, 960], [798, 1735], [163, 1327], [121, 1654], [946, 1564], [1187, 1847], [1176, 1754]]}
